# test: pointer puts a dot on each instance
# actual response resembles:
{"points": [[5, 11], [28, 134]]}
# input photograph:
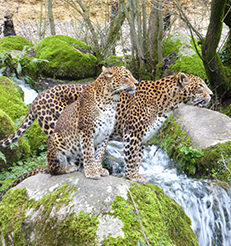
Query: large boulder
{"points": [[68, 58], [11, 102], [199, 140], [72, 210]]}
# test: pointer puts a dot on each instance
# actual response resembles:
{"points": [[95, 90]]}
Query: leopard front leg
{"points": [[99, 154], [90, 168], [133, 158]]}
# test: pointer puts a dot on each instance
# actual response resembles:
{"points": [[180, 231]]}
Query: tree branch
{"points": [[137, 213]]}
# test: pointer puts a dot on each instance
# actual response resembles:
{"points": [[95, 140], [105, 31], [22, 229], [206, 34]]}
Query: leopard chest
{"points": [[104, 125]]}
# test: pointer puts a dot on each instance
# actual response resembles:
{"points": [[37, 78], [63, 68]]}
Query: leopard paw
{"points": [[103, 172], [136, 178], [92, 174], [69, 169]]}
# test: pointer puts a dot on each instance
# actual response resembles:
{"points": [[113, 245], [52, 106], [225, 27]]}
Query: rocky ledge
{"points": [[72, 210], [199, 140]]}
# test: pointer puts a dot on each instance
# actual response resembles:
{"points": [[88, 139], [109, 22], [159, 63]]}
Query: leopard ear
{"points": [[183, 79], [107, 72]]}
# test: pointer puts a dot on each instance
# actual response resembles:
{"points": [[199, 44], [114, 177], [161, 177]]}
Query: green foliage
{"points": [[7, 176], [212, 162], [15, 66], [188, 157], [2, 156]]}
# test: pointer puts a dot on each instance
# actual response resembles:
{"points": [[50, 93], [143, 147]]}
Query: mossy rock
{"points": [[11, 102], [56, 218], [213, 162], [68, 58], [188, 61], [11, 98], [14, 43], [17, 150]]}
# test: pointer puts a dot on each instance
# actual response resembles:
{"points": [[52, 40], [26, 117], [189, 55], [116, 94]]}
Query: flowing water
{"points": [[207, 203], [29, 94]]}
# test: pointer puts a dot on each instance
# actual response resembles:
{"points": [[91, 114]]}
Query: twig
{"points": [[137, 213], [11, 240], [224, 162]]}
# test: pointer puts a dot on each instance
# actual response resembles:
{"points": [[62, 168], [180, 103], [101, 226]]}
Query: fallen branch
{"points": [[224, 163], [137, 213]]}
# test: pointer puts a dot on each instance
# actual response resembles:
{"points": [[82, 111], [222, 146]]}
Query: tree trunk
{"points": [[50, 17], [155, 35], [211, 60]]}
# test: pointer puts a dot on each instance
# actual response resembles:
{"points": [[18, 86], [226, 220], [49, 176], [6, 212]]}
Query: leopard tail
{"points": [[27, 122], [24, 176]]}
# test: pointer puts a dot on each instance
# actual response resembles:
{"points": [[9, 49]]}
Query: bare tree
{"points": [[146, 37], [215, 70], [101, 47], [50, 17]]}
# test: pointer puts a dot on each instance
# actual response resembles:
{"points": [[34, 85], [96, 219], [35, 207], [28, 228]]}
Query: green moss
{"points": [[12, 215], [66, 57], [186, 64], [164, 221], [170, 46], [48, 229], [216, 162], [14, 43], [35, 136], [17, 150], [11, 100], [199, 163], [189, 64]]}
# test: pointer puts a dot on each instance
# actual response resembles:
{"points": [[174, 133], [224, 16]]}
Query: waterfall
{"points": [[207, 203]]}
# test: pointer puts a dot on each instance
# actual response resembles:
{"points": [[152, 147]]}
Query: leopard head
{"points": [[194, 89], [120, 79]]}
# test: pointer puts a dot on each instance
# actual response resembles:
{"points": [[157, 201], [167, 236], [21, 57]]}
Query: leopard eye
{"points": [[201, 86]]}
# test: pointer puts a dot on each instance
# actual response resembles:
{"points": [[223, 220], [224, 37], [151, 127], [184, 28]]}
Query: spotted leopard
{"points": [[139, 116], [83, 128]]}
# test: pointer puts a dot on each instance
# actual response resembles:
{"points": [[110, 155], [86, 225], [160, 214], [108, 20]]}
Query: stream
{"points": [[207, 203]]}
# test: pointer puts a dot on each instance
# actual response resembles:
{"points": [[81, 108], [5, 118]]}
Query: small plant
{"points": [[19, 168], [2, 157], [14, 66], [188, 156]]}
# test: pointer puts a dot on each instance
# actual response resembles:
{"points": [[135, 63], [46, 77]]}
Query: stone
{"points": [[72, 210], [205, 127]]}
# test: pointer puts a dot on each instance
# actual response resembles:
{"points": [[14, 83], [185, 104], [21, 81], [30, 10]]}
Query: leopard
{"points": [[139, 116], [82, 130]]}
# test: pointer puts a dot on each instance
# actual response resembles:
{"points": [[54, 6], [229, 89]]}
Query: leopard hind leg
{"points": [[59, 161]]}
